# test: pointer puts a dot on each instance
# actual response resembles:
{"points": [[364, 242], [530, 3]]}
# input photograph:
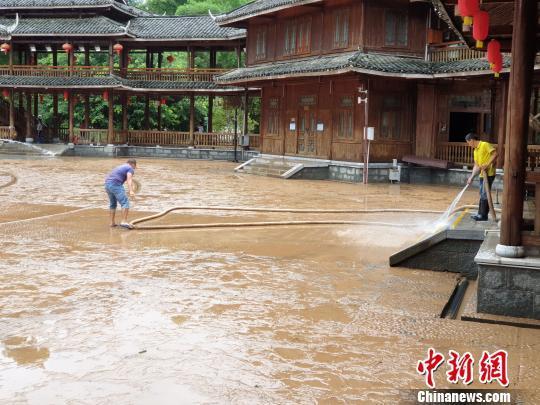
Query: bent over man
{"points": [[484, 158], [114, 186]]}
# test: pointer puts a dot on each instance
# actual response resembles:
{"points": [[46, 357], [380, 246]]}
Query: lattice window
{"points": [[391, 114], [260, 48], [341, 28], [396, 25], [297, 36]]}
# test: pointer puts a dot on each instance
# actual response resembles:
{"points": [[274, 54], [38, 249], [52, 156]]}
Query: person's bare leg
{"points": [[112, 214], [125, 212]]}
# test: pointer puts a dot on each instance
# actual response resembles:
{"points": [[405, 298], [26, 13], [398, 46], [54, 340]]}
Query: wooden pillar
{"points": [[124, 62], [210, 113], [110, 127], [147, 112], [238, 56], [245, 128], [111, 58], [71, 109], [55, 95], [160, 63], [124, 112], [11, 114], [523, 54], [29, 116], [192, 119], [87, 96], [502, 123], [11, 59]]}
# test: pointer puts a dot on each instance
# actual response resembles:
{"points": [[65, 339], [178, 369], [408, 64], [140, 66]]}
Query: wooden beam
{"points": [[523, 54], [110, 127]]}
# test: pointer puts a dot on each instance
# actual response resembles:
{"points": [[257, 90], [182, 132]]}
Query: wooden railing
{"points": [[84, 136], [462, 154], [214, 140], [153, 74], [161, 138], [8, 133], [55, 71], [452, 51], [171, 75]]}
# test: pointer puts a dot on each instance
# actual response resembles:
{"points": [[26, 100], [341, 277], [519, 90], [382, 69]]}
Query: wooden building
{"points": [[315, 59], [101, 38]]}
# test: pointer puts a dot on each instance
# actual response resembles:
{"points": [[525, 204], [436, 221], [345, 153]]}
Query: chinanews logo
{"points": [[492, 370]]}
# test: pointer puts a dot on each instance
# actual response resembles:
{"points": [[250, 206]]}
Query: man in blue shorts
{"points": [[114, 186]]}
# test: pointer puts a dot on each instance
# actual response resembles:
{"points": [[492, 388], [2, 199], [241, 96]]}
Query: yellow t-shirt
{"points": [[482, 155]]}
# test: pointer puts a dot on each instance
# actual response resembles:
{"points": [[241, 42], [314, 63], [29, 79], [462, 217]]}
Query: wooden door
{"points": [[307, 133]]}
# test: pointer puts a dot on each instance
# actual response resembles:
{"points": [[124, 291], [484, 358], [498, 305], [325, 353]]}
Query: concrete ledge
{"points": [[508, 286]]}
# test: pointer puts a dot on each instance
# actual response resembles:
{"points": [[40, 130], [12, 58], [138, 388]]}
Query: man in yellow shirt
{"points": [[484, 159]]}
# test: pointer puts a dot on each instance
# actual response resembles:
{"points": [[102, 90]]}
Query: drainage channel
{"points": [[451, 309]]}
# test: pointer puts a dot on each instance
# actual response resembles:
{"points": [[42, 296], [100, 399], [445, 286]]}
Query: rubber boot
{"points": [[483, 210], [478, 215]]}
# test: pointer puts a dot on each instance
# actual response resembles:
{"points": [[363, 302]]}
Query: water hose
{"points": [[135, 222]]}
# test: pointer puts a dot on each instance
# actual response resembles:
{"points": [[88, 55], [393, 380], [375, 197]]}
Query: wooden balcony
{"points": [[452, 51], [215, 140], [154, 74], [170, 75], [461, 154]]}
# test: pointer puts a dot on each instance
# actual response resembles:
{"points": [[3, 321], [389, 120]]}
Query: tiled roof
{"points": [[44, 4], [110, 82], [259, 7], [370, 63], [175, 27], [59, 82], [64, 26]]}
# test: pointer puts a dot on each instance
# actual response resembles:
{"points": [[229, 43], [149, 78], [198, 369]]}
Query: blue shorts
{"points": [[117, 194]]}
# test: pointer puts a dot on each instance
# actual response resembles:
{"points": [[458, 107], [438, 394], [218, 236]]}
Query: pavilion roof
{"points": [[142, 28], [88, 26], [361, 62], [260, 7], [16, 5], [181, 27], [111, 81]]}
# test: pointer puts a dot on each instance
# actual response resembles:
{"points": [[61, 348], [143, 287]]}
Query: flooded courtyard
{"points": [[273, 315]]}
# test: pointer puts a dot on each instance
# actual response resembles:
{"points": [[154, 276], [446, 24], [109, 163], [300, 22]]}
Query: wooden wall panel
{"points": [[272, 146], [324, 138], [348, 152], [426, 121], [386, 151], [290, 136]]}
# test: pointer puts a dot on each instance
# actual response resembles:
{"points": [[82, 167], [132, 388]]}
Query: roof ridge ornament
{"points": [[211, 15], [9, 29]]}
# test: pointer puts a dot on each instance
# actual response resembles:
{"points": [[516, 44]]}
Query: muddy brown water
{"points": [[303, 314]]}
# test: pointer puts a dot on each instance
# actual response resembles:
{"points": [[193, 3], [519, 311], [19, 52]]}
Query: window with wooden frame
{"points": [[272, 117], [391, 114], [341, 28], [297, 34], [260, 43], [345, 118], [396, 28]]}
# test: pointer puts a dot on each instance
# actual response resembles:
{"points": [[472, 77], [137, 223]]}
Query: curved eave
{"points": [[72, 7], [242, 18], [216, 39], [363, 71]]}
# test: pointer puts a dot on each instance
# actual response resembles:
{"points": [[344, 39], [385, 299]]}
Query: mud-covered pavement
{"points": [[300, 314]]}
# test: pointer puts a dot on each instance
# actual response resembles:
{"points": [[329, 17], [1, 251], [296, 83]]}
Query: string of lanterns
{"points": [[470, 11]]}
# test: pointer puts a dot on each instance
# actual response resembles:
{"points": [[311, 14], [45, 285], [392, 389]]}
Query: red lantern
{"points": [[66, 95], [5, 48], [67, 47], [41, 98], [497, 64], [468, 8], [163, 101], [493, 49], [106, 95], [481, 27], [170, 59], [5, 93], [118, 48]]}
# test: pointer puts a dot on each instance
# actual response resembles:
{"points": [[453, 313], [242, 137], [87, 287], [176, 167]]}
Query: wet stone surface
{"points": [[298, 314]]}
